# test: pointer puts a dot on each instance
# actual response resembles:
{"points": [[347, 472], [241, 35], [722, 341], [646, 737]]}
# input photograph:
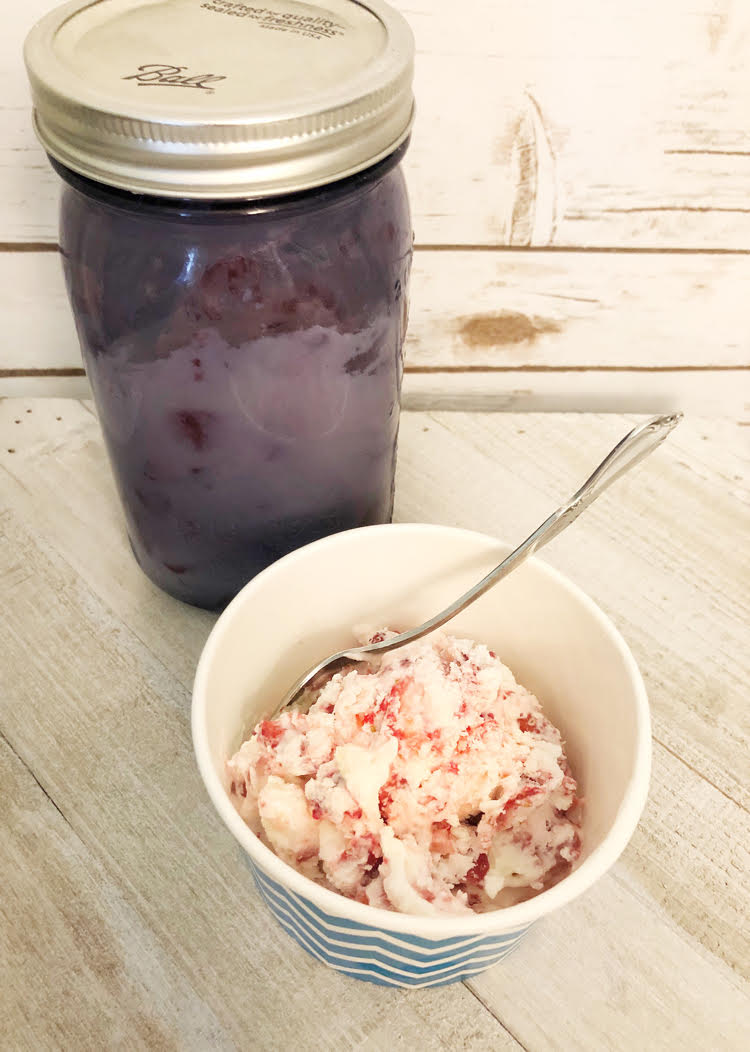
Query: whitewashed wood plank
{"points": [[38, 328], [702, 890], [700, 393], [40, 384], [611, 331], [105, 728], [634, 954], [78, 968], [577, 309], [485, 310], [582, 124], [707, 393], [630, 99]]}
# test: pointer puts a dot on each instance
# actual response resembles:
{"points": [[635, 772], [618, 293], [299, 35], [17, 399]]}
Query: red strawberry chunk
{"points": [[442, 838], [515, 802], [270, 732], [479, 870]]}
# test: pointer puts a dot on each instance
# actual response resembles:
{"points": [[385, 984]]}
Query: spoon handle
{"points": [[636, 445], [628, 452]]}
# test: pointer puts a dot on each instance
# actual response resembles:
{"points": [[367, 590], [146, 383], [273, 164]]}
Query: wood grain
{"points": [[106, 728], [94, 708], [579, 124], [82, 970], [528, 330], [591, 390]]}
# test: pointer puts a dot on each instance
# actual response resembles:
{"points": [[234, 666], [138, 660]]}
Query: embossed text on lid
{"points": [[221, 98]]}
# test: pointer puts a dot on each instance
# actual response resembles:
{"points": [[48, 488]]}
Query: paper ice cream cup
{"points": [[558, 644]]}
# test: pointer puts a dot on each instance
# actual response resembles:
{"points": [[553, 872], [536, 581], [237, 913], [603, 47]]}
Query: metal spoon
{"points": [[636, 445]]}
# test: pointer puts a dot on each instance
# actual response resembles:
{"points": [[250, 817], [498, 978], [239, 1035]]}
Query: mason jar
{"points": [[236, 241]]}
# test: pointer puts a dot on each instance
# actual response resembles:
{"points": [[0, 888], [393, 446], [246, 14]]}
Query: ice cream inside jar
{"points": [[236, 241]]}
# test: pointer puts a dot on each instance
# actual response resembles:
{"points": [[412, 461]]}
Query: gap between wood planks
{"points": [[26, 767], [625, 250], [467, 983], [429, 370], [683, 761], [439, 370]]}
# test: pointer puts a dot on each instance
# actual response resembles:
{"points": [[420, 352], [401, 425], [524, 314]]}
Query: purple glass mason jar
{"points": [[236, 241]]}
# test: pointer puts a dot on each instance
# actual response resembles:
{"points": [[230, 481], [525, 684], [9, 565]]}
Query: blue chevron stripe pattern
{"points": [[389, 959]]}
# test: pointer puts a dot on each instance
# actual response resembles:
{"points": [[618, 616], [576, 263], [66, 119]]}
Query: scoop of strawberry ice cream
{"points": [[432, 783]]}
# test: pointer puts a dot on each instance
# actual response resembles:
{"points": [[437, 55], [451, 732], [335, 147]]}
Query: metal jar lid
{"points": [[220, 98]]}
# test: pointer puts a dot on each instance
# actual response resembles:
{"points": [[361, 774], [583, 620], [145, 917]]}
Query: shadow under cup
{"points": [[557, 643]]}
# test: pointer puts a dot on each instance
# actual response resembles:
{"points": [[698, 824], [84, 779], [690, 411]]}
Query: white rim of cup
{"points": [[498, 921]]}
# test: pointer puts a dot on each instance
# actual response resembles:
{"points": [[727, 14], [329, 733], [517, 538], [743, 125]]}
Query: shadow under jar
{"points": [[241, 309]]}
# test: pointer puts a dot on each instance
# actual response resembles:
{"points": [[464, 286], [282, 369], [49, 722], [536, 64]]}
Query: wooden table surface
{"points": [[129, 921]]}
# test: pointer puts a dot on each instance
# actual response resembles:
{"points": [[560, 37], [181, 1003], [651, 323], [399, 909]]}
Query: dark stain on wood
{"points": [[28, 246], [152, 1034], [6, 374], [505, 327], [524, 168]]}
